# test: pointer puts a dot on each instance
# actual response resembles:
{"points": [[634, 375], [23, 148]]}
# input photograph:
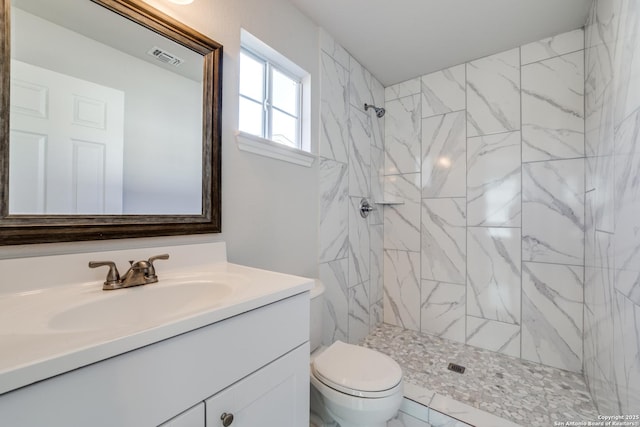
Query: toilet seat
{"points": [[357, 371]]}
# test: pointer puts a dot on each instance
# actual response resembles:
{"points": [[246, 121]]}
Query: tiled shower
{"points": [[351, 161], [513, 224], [612, 198], [488, 158]]}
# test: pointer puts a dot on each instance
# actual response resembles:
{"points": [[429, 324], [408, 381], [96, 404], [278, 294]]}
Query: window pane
{"points": [[285, 93], [250, 120], [251, 77], [284, 129]]}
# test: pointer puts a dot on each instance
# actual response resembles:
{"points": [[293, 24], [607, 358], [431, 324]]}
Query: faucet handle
{"points": [[113, 277], [155, 257], [152, 270]]}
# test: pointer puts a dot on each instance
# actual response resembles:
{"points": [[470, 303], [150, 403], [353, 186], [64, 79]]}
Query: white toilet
{"points": [[351, 385]]}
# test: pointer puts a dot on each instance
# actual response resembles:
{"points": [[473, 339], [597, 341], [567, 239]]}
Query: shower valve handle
{"points": [[365, 208]]}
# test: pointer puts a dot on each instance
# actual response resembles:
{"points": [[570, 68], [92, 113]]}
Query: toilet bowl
{"points": [[351, 385]]}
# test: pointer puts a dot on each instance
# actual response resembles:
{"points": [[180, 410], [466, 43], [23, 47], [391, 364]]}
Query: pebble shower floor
{"points": [[514, 389]]}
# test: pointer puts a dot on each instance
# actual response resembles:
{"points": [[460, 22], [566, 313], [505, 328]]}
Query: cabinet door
{"points": [[193, 417], [274, 396]]}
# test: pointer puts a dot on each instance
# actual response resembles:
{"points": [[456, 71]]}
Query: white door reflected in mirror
{"points": [[66, 144]]}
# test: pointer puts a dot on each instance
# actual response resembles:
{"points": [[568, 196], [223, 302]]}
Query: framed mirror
{"points": [[109, 123]]}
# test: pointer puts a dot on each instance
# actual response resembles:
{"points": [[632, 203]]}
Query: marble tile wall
{"points": [[488, 158], [352, 156], [612, 206]]}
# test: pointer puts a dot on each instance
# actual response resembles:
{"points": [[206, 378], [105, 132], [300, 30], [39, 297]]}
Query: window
{"points": [[270, 100], [274, 112]]}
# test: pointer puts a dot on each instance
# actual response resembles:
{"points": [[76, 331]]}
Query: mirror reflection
{"points": [[105, 116]]}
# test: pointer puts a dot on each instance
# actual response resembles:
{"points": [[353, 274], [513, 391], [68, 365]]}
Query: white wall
{"points": [[269, 207]]}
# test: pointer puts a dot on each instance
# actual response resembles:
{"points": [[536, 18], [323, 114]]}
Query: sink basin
{"points": [[142, 305]]}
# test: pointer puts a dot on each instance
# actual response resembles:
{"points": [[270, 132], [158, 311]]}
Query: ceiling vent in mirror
{"points": [[164, 56]]}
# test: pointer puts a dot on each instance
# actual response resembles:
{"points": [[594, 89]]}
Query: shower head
{"points": [[379, 110]]}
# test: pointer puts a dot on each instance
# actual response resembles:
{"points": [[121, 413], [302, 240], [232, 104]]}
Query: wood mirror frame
{"points": [[26, 229]]}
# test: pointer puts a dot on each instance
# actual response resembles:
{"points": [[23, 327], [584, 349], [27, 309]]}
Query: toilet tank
{"points": [[315, 325]]}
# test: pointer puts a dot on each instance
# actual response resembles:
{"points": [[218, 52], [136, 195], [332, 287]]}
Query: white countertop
{"points": [[32, 348]]}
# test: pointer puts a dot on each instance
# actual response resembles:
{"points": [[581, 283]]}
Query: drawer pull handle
{"points": [[227, 419]]}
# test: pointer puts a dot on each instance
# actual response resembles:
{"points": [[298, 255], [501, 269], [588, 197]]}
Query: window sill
{"points": [[264, 147]]}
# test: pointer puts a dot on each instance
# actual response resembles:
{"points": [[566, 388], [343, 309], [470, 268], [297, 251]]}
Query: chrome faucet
{"points": [[140, 273]]}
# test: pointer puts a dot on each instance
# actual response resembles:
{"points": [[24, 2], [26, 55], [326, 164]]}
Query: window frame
{"points": [[267, 103]]}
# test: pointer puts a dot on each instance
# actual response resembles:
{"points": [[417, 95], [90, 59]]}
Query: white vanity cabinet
{"points": [[254, 365], [193, 417], [273, 396]]}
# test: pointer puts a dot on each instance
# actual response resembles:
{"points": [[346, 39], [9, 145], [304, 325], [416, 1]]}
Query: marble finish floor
{"points": [[517, 390]]}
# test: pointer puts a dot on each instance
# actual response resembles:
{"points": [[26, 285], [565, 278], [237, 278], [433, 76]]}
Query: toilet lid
{"points": [[357, 370]]}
